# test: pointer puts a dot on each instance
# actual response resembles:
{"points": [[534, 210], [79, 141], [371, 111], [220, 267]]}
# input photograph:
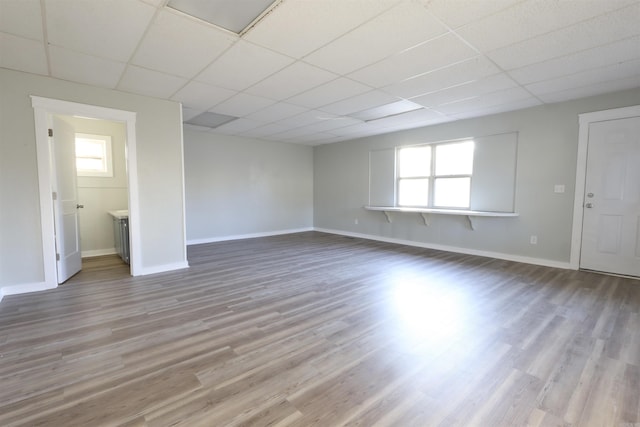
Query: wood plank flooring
{"points": [[315, 329]]}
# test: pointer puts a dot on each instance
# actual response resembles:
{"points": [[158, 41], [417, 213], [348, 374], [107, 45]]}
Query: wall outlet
{"points": [[533, 240], [355, 221]]}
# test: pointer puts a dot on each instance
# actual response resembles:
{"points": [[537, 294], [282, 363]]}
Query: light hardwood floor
{"points": [[315, 329]]}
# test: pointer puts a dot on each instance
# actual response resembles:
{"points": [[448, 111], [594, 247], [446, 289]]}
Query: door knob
{"points": [[588, 205]]}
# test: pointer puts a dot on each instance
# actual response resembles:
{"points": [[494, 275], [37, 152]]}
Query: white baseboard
{"points": [[25, 288], [98, 252], [162, 268], [247, 236], [456, 249]]}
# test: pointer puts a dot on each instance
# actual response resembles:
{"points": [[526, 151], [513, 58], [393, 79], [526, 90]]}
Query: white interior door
{"points": [[64, 180], [611, 222]]}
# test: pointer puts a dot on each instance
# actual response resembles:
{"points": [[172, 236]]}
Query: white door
{"points": [[65, 204], [611, 222]]}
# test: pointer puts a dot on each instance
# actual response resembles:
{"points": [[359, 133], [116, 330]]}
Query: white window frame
{"points": [[108, 158], [432, 177]]}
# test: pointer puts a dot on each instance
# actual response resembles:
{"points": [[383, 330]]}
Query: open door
{"points": [[65, 195]]}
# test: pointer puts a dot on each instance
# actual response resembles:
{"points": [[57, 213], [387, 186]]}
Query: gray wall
{"points": [[547, 152], [99, 195], [239, 187], [160, 173]]}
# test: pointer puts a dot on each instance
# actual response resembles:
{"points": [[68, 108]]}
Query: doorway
{"points": [[44, 111], [606, 233]]}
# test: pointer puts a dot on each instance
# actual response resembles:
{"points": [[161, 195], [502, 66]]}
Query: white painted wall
{"points": [[159, 164], [99, 195], [547, 155], [240, 187]]}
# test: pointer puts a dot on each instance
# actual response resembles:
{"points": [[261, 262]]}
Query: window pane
{"points": [[454, 159], [414, 161], [413, 192], [89, 148], [87, 164], [452, 192]]}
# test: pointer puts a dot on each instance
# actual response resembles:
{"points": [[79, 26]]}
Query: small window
{"points": [[435, 175], [93, 155]]}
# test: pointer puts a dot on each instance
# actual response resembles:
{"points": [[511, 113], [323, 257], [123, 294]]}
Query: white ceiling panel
{"points": [[456, 13], [442, 78], [304, 119], [586, 78], [406, 119], [275, 112], [294, 79], [237, 67], [108, 29], [298, 27], [591, 90], [201, 96], [464, 91], [21, 18], [365, 101], [613, 53], [78, 67], [378, 39], [180, 45], [495, 109], [22, 54], [493, 99], [190, 113], [327, 125], [237, 126], [242, 104], [150, 83], [602, 30], [265, 130], [335, 90], [429, 56], [532, 18]]}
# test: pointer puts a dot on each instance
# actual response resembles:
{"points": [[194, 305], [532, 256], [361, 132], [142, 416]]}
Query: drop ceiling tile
{"points": [[294, 79], [242, 104], [423, 117], [616, 52], [441, 52], [88, 26], [150, 83], [501, 108], [201, 96], [365, 101], [599, 31], [327, 125], [190, 113], [237, 126], [21, 18], [586, 78], [532, 18], [264, 131], [591, 90], [379, 38], [304, 119], [195, 128], [180, 45], [494, 99], [310, 139], [442, 78], [298, 27], [236, 68], [275, 112], [81, 68], [335, 90], [464, 91], [22, 54], [456, 13]]}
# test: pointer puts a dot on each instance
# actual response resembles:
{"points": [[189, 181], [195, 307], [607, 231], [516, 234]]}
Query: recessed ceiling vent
{"points": [[210, 120], [234, 15]]}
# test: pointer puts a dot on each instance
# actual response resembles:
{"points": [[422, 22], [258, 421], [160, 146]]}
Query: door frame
{"points": [[43, 108], [584, 120]]}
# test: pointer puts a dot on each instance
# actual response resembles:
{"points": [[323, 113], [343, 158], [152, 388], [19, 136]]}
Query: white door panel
{"points": [[610, 234], [65, 205]]}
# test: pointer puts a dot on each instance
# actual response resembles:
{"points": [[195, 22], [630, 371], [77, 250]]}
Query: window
{"points": [[93, 155], [435, 175]]}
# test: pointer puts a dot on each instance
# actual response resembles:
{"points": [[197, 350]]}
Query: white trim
{"points": [[163, 268], [184, 193], [25, 288], [98, 252], [43, 107], [247, 236], [455, 249], [584, 121]]}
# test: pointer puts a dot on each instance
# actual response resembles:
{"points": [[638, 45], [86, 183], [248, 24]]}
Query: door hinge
{"points": [[54, 195], [50, 132], [57, 257]]}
